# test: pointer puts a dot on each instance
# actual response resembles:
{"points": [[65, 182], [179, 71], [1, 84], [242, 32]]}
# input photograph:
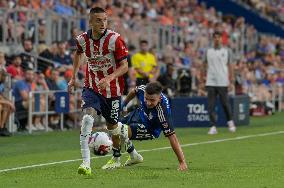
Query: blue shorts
{"points": [[108, 107], [138, 129]]}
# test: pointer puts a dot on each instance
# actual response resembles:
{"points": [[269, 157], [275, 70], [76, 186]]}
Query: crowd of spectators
{"points": [[273, 9], [259, 69]]}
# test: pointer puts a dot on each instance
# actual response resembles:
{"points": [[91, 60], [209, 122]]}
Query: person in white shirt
{"points": [[219, 75]]}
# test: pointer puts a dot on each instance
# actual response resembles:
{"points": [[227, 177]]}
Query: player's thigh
{"points": [[131, 117], [90, 102], [110, 110]]}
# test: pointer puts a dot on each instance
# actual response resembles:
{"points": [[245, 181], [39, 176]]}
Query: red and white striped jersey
{"points": [[103, 57]]}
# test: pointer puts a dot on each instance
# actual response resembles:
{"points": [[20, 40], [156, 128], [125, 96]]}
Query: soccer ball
{"points": [[100, 143]]}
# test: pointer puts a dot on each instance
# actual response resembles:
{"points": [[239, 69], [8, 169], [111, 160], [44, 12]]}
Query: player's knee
{"points": [[121, 130], [90, 111]]}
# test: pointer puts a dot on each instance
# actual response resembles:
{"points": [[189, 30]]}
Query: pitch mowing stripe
{"points": [[148, 150]]}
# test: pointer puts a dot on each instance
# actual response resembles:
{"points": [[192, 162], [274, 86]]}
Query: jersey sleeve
{"points": [[165, 120], [121, 51], [140, 91], [80, 42], [79, 47]]}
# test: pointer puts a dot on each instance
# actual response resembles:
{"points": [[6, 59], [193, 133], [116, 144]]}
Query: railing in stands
{"points": [[35, 98]]}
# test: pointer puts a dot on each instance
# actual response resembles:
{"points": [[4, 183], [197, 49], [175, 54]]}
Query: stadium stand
{"points": [[178, 33]]}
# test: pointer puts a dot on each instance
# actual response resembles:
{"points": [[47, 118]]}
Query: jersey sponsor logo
{"points": [[99, 63], [165, 125]]}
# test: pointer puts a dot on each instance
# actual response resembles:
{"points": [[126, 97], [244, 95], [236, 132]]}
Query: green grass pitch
{"points": [[252, 157]]}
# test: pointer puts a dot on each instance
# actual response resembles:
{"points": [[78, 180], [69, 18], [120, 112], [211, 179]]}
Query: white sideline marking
{"points": [[155, 149]]}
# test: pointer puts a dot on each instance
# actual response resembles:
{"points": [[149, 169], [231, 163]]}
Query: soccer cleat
{"points": [[135, 160], [212, 130], [112, 164], [232, 128], [84, 170]]}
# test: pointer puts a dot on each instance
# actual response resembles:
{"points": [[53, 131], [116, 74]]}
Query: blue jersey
{"points": [[156, 119]]}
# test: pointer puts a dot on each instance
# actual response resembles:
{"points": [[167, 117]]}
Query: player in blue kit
{"points": [[152, 117]]}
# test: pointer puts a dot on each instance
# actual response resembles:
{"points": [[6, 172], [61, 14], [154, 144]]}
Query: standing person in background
{"points": [[219, 67], [2, 61], [145, 65], [6, 106], [106, 54]]}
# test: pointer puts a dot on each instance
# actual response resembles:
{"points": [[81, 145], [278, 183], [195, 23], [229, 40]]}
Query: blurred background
{"points": [[37, 48]]}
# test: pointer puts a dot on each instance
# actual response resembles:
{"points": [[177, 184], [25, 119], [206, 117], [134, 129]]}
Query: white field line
{"points": [[155, 149]]}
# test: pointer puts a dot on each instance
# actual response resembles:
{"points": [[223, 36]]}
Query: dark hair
{"points": [[97, 10], [217, 33], [15, 56], [28, 69], [154, 88], [143, 41]]}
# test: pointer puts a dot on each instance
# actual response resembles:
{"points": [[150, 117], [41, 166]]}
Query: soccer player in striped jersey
{"points": [[106, 54], [152, 117]]}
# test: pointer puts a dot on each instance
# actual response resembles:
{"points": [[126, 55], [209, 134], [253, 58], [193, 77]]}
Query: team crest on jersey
{"points": [[150, 116], [99, 62]]}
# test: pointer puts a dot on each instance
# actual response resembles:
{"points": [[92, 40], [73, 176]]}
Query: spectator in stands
{"points": [[28, 61], [63, 83], [69, 119], [21, 91], [63, 57], [6, 106], [53, 80], [130, 77], [167, 81], [72, 41], [195, 83], [62, 8], [52, 83], [2, 61], [144, 64], [49, 53], [42, 31], [15, 68], [41, 85]]}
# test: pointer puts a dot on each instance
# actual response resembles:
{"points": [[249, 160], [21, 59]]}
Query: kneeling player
{"points": [[147, 122]]}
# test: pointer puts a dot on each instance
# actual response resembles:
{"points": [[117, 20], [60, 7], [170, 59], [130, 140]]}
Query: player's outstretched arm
{"points": [[178, 151], [131, 95]]}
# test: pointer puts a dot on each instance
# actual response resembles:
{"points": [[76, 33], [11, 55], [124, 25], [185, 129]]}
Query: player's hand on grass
{"points": [[71, 85], [182, 166]]}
